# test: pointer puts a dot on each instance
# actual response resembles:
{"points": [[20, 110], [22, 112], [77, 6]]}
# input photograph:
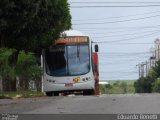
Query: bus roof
{"points": [[72, 33]]}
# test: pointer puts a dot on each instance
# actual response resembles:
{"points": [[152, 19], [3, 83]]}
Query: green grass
{"points": [[26, 93], [116, 87], [129, 82]]}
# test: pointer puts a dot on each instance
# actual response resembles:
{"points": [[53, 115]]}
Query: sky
{"points": [[125, 35]]}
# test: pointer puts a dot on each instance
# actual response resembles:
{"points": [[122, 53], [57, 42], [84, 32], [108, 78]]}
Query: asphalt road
{"points": [[103, 104], [83, 107]]}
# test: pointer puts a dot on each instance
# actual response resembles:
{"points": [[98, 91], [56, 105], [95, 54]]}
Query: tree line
{"points": [[27, 27]]}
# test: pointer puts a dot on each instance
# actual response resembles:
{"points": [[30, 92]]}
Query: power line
{"points": [[124, 43], [120, 20], [128, 39], [126, 55], [131, 15], [113, 6], [122, 55], [108, 28], [114, 57], [117, 63], [120, 35], [113, 2], [90, 33], [122, 60], [124, 52], [110, 32]]}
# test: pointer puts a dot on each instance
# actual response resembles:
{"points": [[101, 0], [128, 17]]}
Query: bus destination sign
{"points": [[72, 40]]}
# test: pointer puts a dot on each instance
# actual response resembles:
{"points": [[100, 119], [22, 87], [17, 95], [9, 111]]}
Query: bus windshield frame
{"points": [[69, 59]]}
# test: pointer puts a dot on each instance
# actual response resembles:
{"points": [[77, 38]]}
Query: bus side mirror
{"points": [[96, 48]]}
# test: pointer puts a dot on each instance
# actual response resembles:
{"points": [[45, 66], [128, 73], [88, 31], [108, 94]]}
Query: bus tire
{"points": [[49, 93], [55, 93], [88, 92]]}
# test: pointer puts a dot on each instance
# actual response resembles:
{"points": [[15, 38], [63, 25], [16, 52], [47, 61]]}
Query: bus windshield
{"points": [[68, 60]]}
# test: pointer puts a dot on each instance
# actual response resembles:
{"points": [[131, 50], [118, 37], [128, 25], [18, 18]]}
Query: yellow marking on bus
{"points": [[76, 80]]}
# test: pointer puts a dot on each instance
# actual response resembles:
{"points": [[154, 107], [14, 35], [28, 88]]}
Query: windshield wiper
{"points": [[78, 51]]}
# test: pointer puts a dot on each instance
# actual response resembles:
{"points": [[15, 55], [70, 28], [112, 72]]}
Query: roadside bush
{"points": [[150, 83], [156, 86], [144, 85], [117, 83], [123, 85], [105, 88]]}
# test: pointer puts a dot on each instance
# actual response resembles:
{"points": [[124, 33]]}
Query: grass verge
{"points": [[21, 94], [118, 87]]}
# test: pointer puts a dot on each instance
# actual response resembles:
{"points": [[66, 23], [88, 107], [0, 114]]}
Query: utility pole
{"points": [[158, 51], [155, 55], [139, 70], [148, 65], [157, 43], [146, 68], [142, 69], [152, 61]]}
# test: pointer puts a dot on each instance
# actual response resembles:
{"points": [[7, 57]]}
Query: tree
{"points": [[157, 69], [36, 74], [144, 84], [156, 86], [24, 66], [31, 25], [123, 85], [139, 85], [7, 69], [152, 73]]}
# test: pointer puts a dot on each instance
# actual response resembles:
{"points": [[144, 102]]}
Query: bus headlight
{"points": [[53, 81], [86, 79]]}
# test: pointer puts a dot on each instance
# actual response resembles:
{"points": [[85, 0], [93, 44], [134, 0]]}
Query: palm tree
{"points": [[25, 68], [7, 70]]}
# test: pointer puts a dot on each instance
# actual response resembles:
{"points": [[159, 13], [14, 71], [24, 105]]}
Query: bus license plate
{"points": [[68, 84]]}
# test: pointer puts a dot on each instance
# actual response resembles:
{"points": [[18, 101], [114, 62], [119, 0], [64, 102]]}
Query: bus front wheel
{"points": [[48, 93], [55, 93], [52, 93], [88, 92]]}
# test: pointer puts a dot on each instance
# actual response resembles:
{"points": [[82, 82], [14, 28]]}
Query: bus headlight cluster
{"points": [[51, 81], [86, 79]]}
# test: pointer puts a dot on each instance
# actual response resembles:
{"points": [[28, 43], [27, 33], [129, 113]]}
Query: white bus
{"points": [[68, 65]]}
